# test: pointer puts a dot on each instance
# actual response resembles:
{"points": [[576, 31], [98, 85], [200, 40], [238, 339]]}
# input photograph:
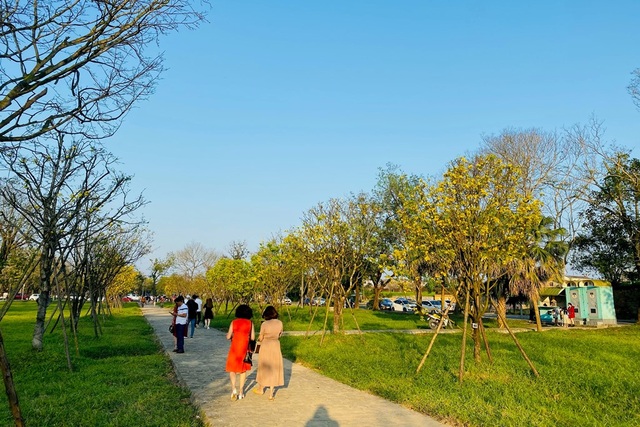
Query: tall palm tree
{"points": [[543, 263]]}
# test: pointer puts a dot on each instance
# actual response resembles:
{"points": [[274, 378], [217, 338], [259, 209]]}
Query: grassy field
{"points": [[119, 379], [587, 377]]}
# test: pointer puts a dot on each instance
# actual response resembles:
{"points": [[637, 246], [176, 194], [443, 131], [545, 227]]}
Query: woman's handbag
{"points": [[247, 357], [251, 346], [257, 348], [171, 328]]}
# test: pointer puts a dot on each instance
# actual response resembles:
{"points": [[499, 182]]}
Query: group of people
{"points": [[564, 316], [270, 363], [270, 372], [189, 314]]}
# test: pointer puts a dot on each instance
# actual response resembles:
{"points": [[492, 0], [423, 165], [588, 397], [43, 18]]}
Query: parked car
{"points": [[34, 297], [285, 301], [20, 296], [319, 301], [315, 301], [126, 299], [350, 302], [546, 315], [403, 304], [432, 306], [386, 304], [134, 297], [383, 304]]}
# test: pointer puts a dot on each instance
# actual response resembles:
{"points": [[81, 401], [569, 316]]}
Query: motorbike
{"points": [[433, 319]]}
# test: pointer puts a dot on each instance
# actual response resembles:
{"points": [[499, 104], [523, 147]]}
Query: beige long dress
{"points": [[270, 364]]}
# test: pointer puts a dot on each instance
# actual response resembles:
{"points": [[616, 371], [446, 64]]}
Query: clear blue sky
{"points": [[273, 107]]}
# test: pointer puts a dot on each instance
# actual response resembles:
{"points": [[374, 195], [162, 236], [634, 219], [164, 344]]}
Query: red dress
{"points": [[239, 343]]}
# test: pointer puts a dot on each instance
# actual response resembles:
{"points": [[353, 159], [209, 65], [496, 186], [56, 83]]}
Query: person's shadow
{"points": [[321, 418]]}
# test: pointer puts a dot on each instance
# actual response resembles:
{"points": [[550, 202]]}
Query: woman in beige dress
{"points": [[270, 364]]}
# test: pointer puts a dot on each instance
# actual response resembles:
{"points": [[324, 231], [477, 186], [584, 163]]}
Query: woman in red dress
{"points": [[240, 330]]}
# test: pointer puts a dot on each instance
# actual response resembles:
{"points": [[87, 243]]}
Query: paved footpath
{"points": [[307, 398]]}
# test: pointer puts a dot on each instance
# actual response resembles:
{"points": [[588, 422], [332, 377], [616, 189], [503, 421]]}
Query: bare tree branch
{"points": [[78, 66]]}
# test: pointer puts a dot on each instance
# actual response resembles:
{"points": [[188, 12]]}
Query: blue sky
{"points": [[273, 107]]}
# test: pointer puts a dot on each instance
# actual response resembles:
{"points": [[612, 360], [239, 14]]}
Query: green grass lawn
{"points": [[587, 377], [120, 379]]}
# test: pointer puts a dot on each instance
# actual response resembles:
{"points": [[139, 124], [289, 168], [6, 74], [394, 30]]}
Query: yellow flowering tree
{"points": [[469, 227], [231, 280]]}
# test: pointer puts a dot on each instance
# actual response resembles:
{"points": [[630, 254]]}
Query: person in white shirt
{"points": [[181, 323], [199, 312]]}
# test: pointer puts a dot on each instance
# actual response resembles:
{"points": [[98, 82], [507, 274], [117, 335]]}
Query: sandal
{"points": [[234, 396], [240, 396], [260, 393]]}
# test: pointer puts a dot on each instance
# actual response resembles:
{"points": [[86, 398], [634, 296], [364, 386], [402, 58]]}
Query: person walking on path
{"points": [[193, 309], [240, 331], [199, 311], [572, 315], [208, 312], [270, 363], [180, 315]]}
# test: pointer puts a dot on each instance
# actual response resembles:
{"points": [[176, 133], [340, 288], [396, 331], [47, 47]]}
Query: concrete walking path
{"points": [[307, 398]]}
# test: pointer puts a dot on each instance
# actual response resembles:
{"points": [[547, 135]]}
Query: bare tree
{"points": [[193, 260], [66, 193], [99, 260], [238, 250], [547, 163], [78, 66]]}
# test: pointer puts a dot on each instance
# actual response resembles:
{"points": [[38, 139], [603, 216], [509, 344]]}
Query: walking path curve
{"points": [[307, 399]]}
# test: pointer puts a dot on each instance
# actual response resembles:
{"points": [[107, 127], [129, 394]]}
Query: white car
{"points": [[285, 301], [34, 297], [403, 304], [431, 306]]}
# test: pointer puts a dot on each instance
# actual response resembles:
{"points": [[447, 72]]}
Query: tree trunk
{"points": [[464, 336], [476, 340], [338, 303], [9, 386], [501, 311], [46, 271], [534, 301], [356, 299], [376, 297], [418, 284]]}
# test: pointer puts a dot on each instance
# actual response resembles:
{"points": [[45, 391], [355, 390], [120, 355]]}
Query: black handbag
{"points": [[171, 328], [247, 357], [251, 346]]}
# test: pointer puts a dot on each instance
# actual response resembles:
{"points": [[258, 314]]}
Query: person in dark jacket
{"points": [[193, 314]]}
